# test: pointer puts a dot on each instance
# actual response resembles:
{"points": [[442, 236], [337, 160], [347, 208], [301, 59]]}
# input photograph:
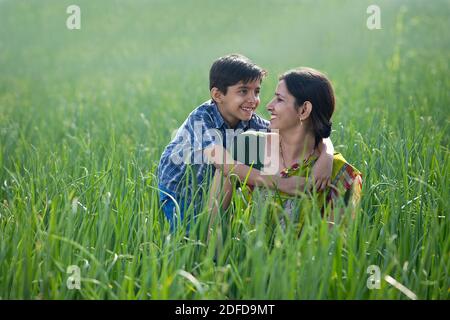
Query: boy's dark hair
{"points": [[307, 84], [230, 69]]}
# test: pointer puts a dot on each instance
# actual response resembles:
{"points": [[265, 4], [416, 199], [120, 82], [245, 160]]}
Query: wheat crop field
{"points": [[85, 115]]}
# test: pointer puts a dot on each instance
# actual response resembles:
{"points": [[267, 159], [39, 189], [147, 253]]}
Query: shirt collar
{"points": [[219, 121]]}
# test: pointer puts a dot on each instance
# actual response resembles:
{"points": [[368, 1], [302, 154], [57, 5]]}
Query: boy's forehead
{"points": [[251, 83]]}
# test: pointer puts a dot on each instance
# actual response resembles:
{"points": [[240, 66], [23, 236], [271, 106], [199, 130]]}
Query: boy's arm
{"points": [[223, 161], [323, 168], [212, 149], [220, 192], [219, 197]]}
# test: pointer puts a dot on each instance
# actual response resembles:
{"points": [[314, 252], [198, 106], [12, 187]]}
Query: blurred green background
{"points": [[153, 57]]}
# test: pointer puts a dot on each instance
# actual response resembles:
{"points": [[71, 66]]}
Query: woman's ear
{"points": [[216, 95], [305, 110]]}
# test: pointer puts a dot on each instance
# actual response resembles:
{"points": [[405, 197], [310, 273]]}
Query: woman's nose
{"points": [[270, 105]]}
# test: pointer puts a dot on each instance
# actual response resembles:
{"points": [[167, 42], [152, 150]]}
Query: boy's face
{"points": [[240, 101]]}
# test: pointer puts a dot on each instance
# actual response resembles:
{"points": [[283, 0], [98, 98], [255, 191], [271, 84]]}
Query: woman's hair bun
{"points": [[325, 130]]}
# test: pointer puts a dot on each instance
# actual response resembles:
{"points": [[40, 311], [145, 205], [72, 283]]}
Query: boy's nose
{"points": [[253, 98]]}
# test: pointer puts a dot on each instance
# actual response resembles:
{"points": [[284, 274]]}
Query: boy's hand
{"points": [[323, 168], [322, 171]]}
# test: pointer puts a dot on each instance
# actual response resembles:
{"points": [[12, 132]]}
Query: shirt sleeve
{"points": [[204, 135]]}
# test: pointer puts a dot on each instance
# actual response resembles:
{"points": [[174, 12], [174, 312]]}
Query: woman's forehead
{"points": [[281, 89]]}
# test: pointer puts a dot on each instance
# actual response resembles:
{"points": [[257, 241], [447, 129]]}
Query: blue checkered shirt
{"points": [[203, 128]]}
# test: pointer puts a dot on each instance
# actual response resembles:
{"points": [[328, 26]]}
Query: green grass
{"points": [[85, 115]]}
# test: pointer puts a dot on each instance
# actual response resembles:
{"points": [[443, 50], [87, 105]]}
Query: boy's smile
{"points": [[240, 101]]}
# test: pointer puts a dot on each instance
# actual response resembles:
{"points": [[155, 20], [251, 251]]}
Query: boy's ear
{"points": [[216, 94], [305, 111]]}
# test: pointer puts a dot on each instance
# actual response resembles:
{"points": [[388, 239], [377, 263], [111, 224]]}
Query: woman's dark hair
{"points": [[307, 84], [229, 70]]}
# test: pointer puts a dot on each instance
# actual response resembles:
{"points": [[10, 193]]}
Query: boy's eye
{"points": [[243, 91]]}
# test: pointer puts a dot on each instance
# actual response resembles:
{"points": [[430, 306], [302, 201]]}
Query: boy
{"points": [[189, 161]]}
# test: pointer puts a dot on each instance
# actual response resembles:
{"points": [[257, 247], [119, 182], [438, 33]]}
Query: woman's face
{"points": [[282, 109]]}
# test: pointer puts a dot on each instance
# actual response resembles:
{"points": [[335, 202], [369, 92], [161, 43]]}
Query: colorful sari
{"points": [[345, 188], [344, 191], [346, 180]]}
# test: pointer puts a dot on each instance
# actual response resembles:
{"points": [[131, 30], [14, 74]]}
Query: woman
{"points": [[301, 113]]}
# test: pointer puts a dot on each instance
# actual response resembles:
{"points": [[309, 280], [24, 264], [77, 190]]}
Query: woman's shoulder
{"points": [[340, 162], [344, 171]]}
